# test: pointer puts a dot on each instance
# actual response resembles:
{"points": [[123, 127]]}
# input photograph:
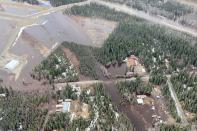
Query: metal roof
{"points": [[66, 106], [11, 65]]}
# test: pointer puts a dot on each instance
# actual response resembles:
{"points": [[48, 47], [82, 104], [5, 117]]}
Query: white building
{"points": [[11, 65]]}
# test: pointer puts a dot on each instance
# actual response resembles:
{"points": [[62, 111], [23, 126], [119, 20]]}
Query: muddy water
{"points": [[19, 10], [6, 28], [115, 96], [113, 93], [117, 70]]}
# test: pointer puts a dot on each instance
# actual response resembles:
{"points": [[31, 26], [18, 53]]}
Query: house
{"points": [[132, 61]]}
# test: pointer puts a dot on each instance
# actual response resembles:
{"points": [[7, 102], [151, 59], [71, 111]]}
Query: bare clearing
{"points": [[97, 29]]}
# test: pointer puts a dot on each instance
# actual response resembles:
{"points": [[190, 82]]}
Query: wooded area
{"points": [[170, 103], [97, 11], [128, 89], [85, 57], [63, 2], [55, 67], [161, 50], [20, 112], [165, 127], [102, 112]]}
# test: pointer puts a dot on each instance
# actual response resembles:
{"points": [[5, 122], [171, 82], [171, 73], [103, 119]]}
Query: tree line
{"points": [[97, 11], [34, 2], [63, 2], [170, 8]]}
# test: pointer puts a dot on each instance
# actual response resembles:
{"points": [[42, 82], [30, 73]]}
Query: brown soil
{"points": [[98, 30], [72, 58]]}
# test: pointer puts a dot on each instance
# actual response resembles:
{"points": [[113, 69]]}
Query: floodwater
{"points": [[6, 28], [18, 10], [117, 70], [115, 96]]}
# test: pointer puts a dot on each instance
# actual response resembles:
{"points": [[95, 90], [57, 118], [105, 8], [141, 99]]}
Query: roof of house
{"points": [[66, 106], [132, 61]]}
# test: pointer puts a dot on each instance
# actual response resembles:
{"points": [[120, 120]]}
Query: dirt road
{"points": [[90, 82], [177, 103]]}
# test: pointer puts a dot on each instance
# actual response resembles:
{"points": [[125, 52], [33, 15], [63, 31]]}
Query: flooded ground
{"points": [[140, 115], [116, 98], [38, 40], [117, 70], [6, 28], [18, 10]]}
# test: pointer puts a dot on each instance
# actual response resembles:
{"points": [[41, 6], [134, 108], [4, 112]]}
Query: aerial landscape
{"points": [[98, 65]]}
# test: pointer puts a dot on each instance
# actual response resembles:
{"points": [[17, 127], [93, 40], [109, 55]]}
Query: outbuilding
{"points": [[11, 65], [140, 101], [66, 105]]}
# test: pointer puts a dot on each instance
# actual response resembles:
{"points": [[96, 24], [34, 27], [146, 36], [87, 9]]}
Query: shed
{"points": [[140, 101], [11, 65], [66, 106]]}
